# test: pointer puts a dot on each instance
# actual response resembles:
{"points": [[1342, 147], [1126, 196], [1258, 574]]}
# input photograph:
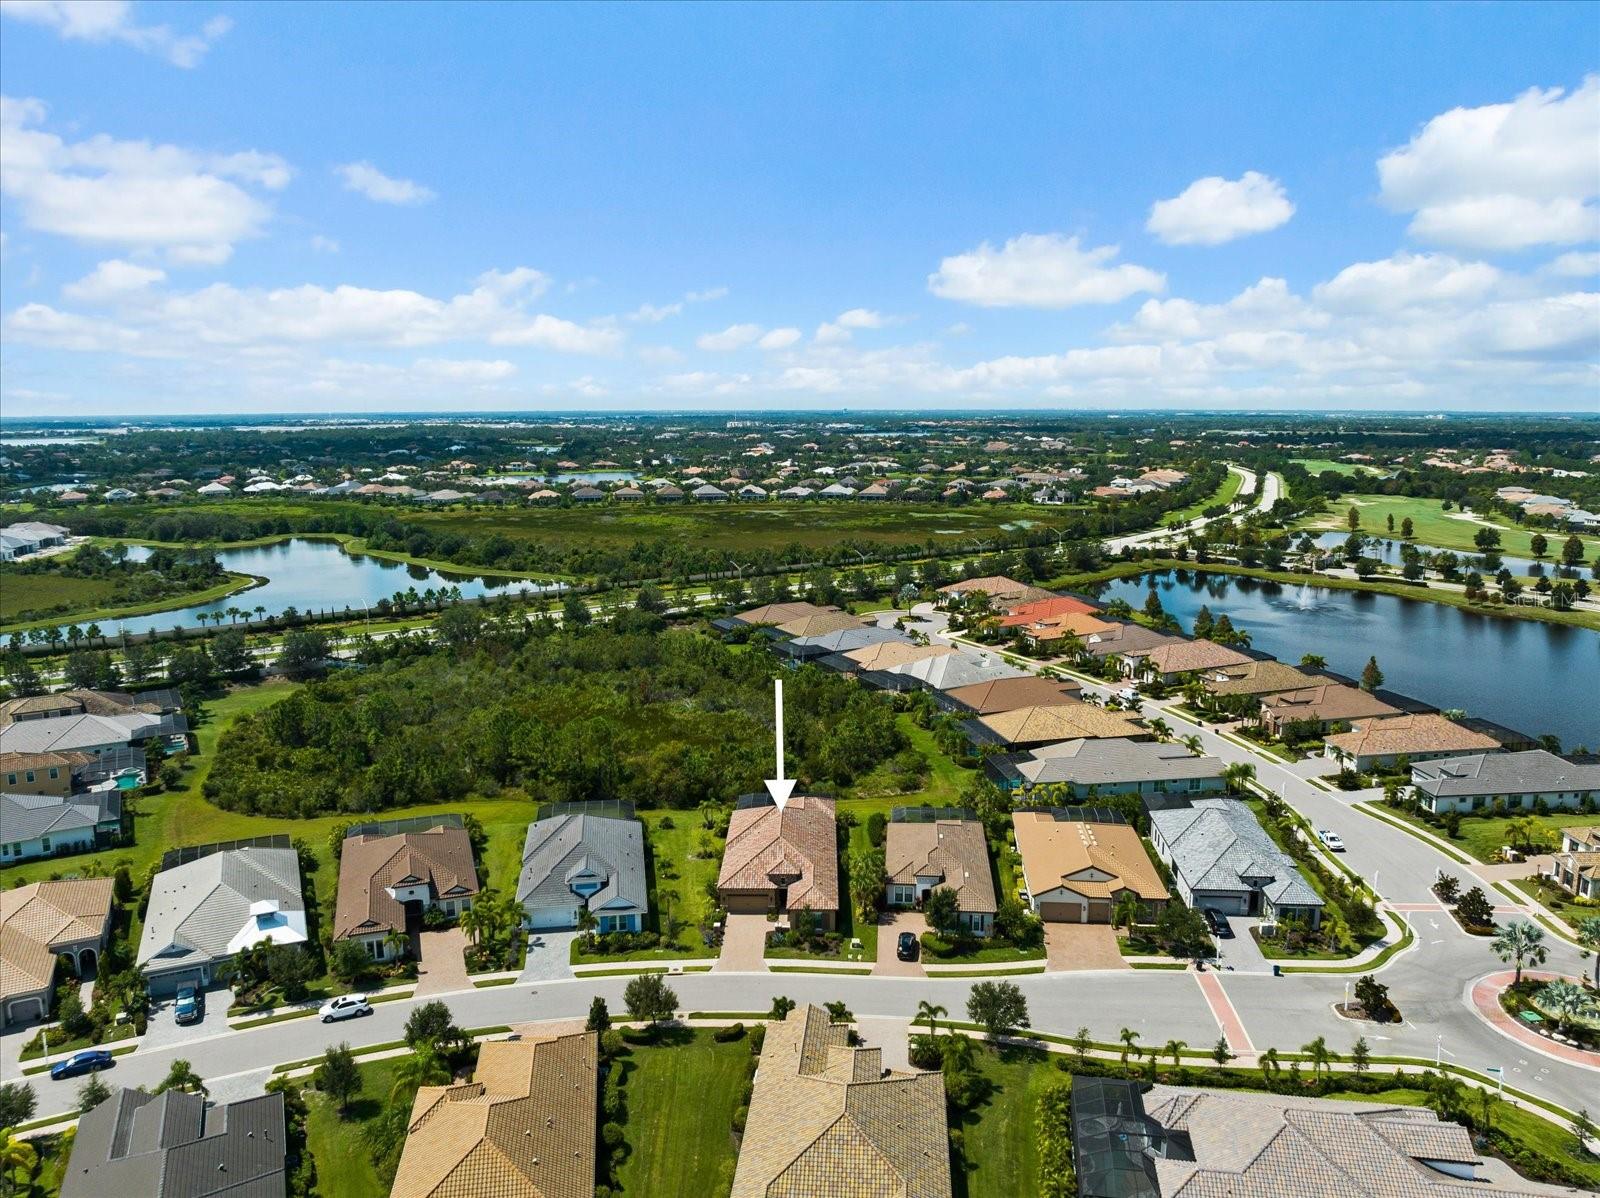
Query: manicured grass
{"points": [[89, 608], [1556, 899], [1323, 465], [1432, 525], [681, 1095], [29, 592], [1002, 1158], [1226, 493], [683, 857], [1483, 835], [344, 1163]]}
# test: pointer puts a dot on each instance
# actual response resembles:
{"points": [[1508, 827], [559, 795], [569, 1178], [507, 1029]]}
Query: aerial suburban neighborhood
{"points": [[799, 600]]}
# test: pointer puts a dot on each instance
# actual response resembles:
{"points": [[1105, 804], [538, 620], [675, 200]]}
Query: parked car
{"points": [[906, 946], [346, 1006], [1129, 694], [1331, 840], [191, 1005], [1217, 922], [91, 1060]]}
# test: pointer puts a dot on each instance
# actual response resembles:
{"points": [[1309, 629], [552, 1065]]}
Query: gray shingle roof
{"points": [[28, 817], [197, 908], [172, 1146], [1535, 770], [1216, 844], [559, 847], [961, 668], [1114, 760]]}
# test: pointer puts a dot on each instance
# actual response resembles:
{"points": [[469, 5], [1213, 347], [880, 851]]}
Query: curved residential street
{"points": [[1271, 488]]}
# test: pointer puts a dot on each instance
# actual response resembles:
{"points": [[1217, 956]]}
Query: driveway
{"points": [[890, 925], [744, 945], [549, 957], [162, 1029], [1081, 946], [441, 968], [1240, 951]]}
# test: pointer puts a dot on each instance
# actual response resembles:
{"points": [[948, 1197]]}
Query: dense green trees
{"points": [[664, 720]]}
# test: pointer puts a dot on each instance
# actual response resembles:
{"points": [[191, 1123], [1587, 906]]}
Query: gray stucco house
{"points": [[1111, 766], [209, 903], [1222, 858], [176, 1145], [1475, 781], [575, 858], [51, 825]]}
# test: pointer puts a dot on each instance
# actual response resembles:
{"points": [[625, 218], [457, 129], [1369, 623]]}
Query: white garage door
{"points": [[551, 918]]}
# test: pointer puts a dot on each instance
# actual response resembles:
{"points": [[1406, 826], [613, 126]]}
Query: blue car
{"points": [[88, 1061], [190, 1007]]}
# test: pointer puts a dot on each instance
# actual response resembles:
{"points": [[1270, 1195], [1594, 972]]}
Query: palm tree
{"points": [[1174, 1049], [1321, 1055], [1269, 1063], [1129, 1036], [476, 920], [261, 611], [1236, 775], [1565, 1001], [1522, 942], [396, 943], [183, 1077], [15, 1153], [415, 1070], [1126, 910], [1192, 743], [1161, 728], [929, 1013], [1588, 930]]}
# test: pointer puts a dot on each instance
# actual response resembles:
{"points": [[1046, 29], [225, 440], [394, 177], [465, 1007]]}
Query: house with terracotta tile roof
{"points": [[782, 860], [1174, 662], [1077, 861], [1047, 632], [887, 654], [388, 879], [1003, 592], [1044, 609], [40, 922], [924, 854], [1257, 678], [525, 1125], [818, 623], [827, 1118], [1025, 727], [1385, 740], [1008, 694]]}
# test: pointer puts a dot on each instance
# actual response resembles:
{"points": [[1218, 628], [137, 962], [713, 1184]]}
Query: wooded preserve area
{"points": [[662, 718]]}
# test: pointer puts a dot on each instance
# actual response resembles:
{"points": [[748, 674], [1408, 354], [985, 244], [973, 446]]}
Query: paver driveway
{"points": [[442, 967], [744, 944], [549, 957], [1081, 946], [890, 925]]}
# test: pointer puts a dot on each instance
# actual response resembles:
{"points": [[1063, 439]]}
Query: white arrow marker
{"points": [[780, 788]]}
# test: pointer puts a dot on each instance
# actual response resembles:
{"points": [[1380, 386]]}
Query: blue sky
{"points": [[287, 207]]}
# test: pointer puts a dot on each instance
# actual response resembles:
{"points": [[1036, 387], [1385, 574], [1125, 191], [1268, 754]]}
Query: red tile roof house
{"points": [[1044, 609], [782, 860]]}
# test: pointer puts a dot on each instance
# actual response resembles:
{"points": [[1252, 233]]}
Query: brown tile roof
{"points": [[1126, 638], [953, 850], [36, 918], [1403, 734], [798, 844], [821, 623], [525, 1128], [1587, 835], [1186, 656], [1329, 701], [1008, 694], [369, 866], [73, 702], [825, 1120], [1000, 589], [1258, 678], [894, 653], [1053, 850], [1078, 624], [16, 762], [780, 613], [1062, 721]]}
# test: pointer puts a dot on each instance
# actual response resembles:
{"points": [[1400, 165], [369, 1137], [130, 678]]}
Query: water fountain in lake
{"points": [[1304, 599]]}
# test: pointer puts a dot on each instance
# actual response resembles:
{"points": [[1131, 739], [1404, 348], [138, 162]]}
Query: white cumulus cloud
{"points": [[112, 21], [112, 279], [779, 338], [1407, 280], [193, 206], [1503, 176], [1213, 210], [735, 336], [1041, 270], [369, 181]]}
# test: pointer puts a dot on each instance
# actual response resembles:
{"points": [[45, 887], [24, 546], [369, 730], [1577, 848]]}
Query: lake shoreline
{"points": [[237, 584]]}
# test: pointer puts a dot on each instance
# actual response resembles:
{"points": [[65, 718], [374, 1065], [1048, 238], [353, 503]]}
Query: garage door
{"points": [[168, 984], [24, 1009], [549, 918], [1099, 912], [1061, 912], [1228, 904], [747, 904]]}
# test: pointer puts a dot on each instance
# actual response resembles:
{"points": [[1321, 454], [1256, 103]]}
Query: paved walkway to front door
{"points": [[744, 945], [442, 968], [1081, 946]]}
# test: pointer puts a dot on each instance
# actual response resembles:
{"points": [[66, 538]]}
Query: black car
{"points": [[906, 946], [1217, 922]]}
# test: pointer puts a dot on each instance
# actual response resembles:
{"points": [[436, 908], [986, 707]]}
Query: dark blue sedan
{"points": [[88, 1061]]}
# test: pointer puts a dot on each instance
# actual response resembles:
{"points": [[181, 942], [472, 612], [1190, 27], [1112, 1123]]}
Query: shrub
{"points": [[877, 828], [724, 1035]]}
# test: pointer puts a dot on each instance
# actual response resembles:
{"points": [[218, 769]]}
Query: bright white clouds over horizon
{"points": [[1214, 210]]}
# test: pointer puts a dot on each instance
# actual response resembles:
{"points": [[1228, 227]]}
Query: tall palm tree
{"points": [[396, 943], [929, 1013], [1522, 942], [1321, 1055], [1126, 910], [1174, 1049], [1128, 1037], [1192, 743], [475, 920], [1161, 728], [1237, 774], [423, 1067]]}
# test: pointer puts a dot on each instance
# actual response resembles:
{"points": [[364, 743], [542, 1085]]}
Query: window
{"points": [[45, 843], [11, 779], [54, 773], [30, 775]]}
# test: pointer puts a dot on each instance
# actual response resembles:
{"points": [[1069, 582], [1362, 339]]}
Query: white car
{"points": [[1128, 694], [346, 1006], [1331, 840]]}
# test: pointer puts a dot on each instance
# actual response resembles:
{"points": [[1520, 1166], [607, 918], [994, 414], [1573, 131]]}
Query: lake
{"points": [[1530, 675], [312, 576]]}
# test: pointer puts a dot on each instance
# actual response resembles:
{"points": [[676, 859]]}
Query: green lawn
{"points": [[682, 859], [680, 1102], [30, 592], [1482, 835], [1002, 1158], [344, 1164], [1322, 465], [1226, 493], [1436, 527]]}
